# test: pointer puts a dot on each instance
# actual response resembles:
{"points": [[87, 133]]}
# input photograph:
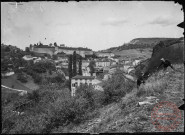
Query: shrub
{"points": [[37, 78], [116, 87], [32, 124], [21, 78]]}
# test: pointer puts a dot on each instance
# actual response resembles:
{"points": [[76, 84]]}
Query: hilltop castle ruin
{"points": [[51, 50]]}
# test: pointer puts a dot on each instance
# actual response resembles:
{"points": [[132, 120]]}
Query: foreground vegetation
{"points": [[52, 109], [127, 116]]}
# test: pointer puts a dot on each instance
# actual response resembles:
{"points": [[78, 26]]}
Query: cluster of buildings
{"points": [[87, 80], [106, 63], [53, 50]]}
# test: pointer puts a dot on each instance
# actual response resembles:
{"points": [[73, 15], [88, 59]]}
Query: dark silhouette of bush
{"points": [[21, 78]]}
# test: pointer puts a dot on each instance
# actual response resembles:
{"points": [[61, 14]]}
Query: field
{"points": [[126, 116], [13, 82], [135, 53]]}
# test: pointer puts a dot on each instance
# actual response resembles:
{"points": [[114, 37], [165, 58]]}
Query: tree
{"points": [[50, 44], [70, 67], [27, 49], [55, 57], [7, 49], [70, 70], [80, 66], [116, 87], [92, 65], [74, 64], [55, 44]]}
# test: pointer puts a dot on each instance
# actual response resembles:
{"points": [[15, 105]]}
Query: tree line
{"points": [[72, 66]]}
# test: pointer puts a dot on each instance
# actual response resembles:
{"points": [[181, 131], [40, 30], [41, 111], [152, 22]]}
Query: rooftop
{"points": [[66, 48], [83, 77]]}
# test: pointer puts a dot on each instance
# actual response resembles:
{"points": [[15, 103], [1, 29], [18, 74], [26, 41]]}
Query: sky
{"points": [[96, 25]]}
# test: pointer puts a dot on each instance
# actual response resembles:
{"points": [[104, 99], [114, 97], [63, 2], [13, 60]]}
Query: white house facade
{"points": [[78, 80]]}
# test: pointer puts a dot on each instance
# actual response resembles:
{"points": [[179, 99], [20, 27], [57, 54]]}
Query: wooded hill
{"points": [[141, 43]]}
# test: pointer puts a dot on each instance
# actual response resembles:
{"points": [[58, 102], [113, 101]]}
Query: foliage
{"points": [[92, 66], [37, 78], [58, 79], [116, 87], [55, 44], [80, 66], [70, 67], [74, 64], [21, 77], [42, 67], [95, 98], [27, 49], [7, 49], [55, 57]]}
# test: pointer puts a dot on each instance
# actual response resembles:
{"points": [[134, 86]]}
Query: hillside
{"points": [[126, 116], [140, 43], [169, 49], [135, 53], [149, 40], [12, 81]]}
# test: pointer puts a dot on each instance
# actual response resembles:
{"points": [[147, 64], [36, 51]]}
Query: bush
{"points": [[32, 125], [21, 78], [116, 87], [37, 78]]}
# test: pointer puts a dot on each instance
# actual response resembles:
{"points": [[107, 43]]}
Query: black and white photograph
{"points": [[92, 67]]}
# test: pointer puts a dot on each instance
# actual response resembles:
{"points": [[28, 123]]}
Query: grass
{"points": [[126, 116], [12, 81], [9, 81], [135, 53]]}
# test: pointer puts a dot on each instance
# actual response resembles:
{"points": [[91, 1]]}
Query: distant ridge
{"points": [[149, 40], [140, 43]]}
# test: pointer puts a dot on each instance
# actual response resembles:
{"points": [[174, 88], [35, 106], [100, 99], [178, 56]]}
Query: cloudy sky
{"points": [[96, 25]]}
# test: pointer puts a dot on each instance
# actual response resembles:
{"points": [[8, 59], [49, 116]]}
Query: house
{"points": [[85, 72], [112, 70], [103, 63], [114, 59], [27, 57], [97, 84], [89, 80], [8, 74], [62, 57], [85, 63], [21, 67], [124, 68], [76, 81], [136, 62], [37, 59], [107, 76], [58, 67]]}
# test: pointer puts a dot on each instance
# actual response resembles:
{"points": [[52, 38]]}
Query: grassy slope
{"points": [[9, 81], [135, 53], [149, 40], [129, 118]]}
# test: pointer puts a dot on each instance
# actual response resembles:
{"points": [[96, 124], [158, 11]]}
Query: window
{"points": [[76, 84], [73, 84]]}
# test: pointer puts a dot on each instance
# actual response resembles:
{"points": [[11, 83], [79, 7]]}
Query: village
{"points": [[92, 67], [106, 64]]}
